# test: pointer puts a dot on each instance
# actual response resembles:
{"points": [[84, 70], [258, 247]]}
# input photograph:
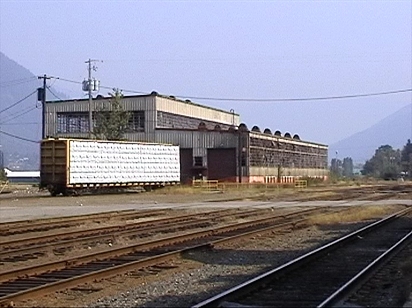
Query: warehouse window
{"points": [[198, 161], [136, 121], [77, 122]]}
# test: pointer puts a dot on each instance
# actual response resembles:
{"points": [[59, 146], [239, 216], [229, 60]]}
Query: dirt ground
{"points": [[15, 195]]}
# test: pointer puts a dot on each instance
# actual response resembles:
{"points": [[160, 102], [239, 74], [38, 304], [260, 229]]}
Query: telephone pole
{"points": [[92, 85], [41, 96]]}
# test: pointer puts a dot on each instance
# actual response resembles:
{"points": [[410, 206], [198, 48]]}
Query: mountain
{"points": [[393, 130], [20, 115]]}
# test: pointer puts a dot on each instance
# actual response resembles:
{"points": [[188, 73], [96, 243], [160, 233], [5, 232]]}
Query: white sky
{"points": [[228, 49]]}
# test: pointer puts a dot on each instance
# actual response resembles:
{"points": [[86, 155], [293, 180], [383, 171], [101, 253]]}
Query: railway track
{"points": [[325, 276], [55, 223], [34, 247], [41, 279]]}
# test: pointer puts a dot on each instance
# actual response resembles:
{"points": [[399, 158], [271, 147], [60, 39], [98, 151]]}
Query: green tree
{"points": [[385, 164], [2, 175], [336, 167], [406, 158], [347, 167], [112, 123]]}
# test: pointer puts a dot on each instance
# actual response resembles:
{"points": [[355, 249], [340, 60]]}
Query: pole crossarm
{"points": [[43, 104]]}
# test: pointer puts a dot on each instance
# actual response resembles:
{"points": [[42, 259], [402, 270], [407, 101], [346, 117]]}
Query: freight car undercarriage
{"points": [[79, 189]]}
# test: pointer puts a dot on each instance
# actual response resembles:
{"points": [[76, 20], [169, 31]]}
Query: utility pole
{"points": [[41, 96], [92, 85]]}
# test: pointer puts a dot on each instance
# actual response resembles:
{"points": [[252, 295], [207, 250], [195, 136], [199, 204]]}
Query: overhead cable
{"points": [[18, 137], [18, 102], [333, 97], [18, 114], [298, 99], [15, 82], [50, 90]]}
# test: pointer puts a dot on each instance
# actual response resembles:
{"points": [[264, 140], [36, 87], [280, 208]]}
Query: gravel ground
{"points": [[194, 277], [197, 276], [222, 268]]}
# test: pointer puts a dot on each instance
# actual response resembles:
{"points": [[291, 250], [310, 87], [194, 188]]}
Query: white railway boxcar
{"points": [[70, 165]]}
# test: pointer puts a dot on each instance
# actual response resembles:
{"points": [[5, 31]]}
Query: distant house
{"points": [[22, 176]]}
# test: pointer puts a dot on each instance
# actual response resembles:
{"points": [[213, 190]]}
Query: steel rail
{"points": [[135, 229], [337, 299], [207, 237], [254, 283], [34, 225], [16, 273], [51, 238]]}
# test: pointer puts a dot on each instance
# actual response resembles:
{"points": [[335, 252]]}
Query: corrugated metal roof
{"points": [[170, 97]]}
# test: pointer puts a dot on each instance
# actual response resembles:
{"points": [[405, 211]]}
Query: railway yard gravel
{"points": [[201, 274], [193, 277]]}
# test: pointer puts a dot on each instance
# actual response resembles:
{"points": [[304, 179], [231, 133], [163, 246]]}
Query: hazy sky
{"points": [[228, 49]]}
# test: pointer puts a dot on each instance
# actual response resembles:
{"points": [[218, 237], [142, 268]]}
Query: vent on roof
{"points": [[243, 127]]}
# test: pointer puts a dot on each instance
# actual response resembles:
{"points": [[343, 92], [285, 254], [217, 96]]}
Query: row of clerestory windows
{"points": [[78, 122]]}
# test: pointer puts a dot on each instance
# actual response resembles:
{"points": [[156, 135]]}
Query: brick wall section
{"points": [[273, 153], [169, 120]]}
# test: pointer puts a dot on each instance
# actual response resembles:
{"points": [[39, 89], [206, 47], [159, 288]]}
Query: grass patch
{"points": [[355, 214]]}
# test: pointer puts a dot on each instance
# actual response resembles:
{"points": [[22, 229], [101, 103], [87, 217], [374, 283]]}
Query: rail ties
{"points": [[310, 279], [42, 279]]}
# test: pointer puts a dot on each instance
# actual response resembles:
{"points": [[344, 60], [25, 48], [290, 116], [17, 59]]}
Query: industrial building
{"points": [[213, 143]]}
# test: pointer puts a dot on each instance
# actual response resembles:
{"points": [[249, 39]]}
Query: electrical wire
{"points": [[299, 99], [18, 102], [25, 123], [15, 82], [18, 137], [18, 114], [333, 97], [49, 88]]}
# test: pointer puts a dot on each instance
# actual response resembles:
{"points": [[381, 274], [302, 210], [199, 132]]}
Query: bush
{"points": [[2, 175]]}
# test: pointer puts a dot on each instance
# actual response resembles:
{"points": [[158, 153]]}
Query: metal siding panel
{"points": [[196, 111], [190, 139]]}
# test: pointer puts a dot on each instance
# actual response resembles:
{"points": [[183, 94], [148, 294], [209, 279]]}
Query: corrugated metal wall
{"points": [[200, 141], [136, 103], [196, 111]]}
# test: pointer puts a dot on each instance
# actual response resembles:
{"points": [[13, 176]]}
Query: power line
{"points": [[18, 137], [333, 97], [299, 99], [18, 102], [15, 82], [25, 123], [18, 114], [49, 88]]}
